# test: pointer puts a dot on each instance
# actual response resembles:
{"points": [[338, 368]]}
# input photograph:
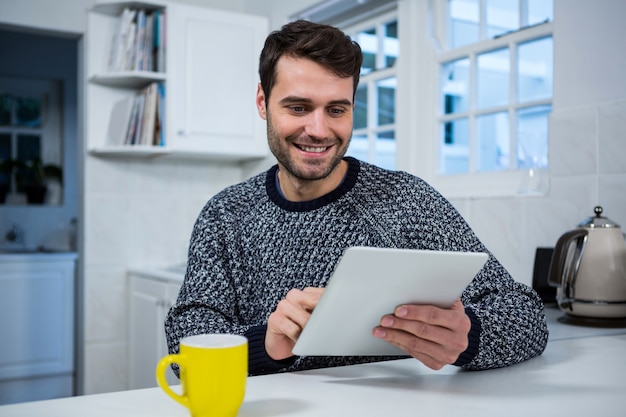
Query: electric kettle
{"points": [[588, 267]]}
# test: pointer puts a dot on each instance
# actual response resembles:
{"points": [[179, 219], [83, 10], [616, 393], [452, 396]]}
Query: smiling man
{"points": [[309, 126], [262, 251]]}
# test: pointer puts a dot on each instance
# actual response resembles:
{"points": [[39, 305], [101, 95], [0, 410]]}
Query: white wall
{"points": [[589, 53]]}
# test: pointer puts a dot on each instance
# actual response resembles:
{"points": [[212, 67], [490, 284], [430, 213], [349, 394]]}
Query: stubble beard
{"points": [[280, 149]]}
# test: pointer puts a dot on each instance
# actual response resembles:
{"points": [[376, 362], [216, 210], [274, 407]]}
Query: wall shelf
{"points": [[127, 79], [149, 152]]}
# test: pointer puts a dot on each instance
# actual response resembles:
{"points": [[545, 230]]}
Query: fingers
{"points": [[434, 335], [285, 324], [292, 313]]}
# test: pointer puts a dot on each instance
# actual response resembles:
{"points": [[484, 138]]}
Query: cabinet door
{"points": [[212, 66], [36, 319], [148, 305]]}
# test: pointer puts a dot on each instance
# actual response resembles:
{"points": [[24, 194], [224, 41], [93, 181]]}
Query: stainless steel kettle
{"points": [[588, 267]]}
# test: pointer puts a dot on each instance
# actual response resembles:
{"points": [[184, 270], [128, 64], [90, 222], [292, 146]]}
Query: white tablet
{"points": [[369, 283]]}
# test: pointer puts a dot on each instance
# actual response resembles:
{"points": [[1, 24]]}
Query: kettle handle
{"points": [[557, 264]]}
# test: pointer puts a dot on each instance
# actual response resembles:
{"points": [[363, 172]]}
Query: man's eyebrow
{"points": [[296, 100]]}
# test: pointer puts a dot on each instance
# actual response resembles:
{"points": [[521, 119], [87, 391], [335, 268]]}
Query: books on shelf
{"points": [[138, 43], [139, 120]]}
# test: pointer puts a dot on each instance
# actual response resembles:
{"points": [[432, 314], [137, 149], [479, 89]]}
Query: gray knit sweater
{"points": [[250, 246]]}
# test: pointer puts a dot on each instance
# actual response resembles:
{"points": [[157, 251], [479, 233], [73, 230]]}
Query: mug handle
{"points": [[160, 376]]}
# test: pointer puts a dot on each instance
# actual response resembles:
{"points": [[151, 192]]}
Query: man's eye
{"points": [[297, 109], [337, 111]]}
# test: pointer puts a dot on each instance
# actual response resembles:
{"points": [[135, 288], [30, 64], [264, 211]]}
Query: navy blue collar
{"points": [[275, 194]]}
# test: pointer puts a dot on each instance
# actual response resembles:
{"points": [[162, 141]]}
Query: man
{"points": [[261, 251]]}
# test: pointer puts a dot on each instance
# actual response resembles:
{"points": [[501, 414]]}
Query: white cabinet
{"points": [[151, 294], [210, 79], [36, 326]]}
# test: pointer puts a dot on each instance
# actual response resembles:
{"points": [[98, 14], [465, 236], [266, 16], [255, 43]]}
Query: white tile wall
{"points": [[611, 137], [573, 142], [138, 212]]}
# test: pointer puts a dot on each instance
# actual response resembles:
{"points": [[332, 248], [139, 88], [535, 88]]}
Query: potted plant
{"points": [[31, 178]]}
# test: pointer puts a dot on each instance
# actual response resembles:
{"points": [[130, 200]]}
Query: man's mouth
{"points": [[312, 149]]}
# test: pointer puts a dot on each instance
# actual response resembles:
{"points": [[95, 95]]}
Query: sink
{"points": [[16, 251], [27, 251]]}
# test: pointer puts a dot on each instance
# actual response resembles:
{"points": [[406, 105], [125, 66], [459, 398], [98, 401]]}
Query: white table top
{"points": [[582, 372]]}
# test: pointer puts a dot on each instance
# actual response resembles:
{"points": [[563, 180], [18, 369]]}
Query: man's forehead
{"points": [[301, 79]]}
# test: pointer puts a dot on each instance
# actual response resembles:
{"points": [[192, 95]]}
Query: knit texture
{"points": [[250, 246]]}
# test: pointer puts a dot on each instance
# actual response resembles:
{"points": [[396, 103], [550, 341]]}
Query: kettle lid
{"points": [[598, 221]]}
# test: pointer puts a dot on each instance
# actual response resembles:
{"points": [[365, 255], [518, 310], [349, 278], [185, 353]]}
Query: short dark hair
{"points": [[323, 44]]}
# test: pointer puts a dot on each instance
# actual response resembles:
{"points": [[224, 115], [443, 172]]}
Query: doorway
{"points": [[53, 58]]}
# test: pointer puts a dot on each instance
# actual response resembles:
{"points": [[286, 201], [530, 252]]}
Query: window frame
{"points": [[483, 184], [370, 80]]}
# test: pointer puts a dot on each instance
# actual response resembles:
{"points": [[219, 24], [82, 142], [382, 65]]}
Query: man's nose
{"points": [[317, 124]]}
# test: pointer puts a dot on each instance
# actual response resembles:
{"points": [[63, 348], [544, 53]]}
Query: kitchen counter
{"points": [[581, 372], [561, 331], [174, 273]]}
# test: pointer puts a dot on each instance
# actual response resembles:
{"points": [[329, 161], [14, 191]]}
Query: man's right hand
{"points": [[286, 323]]}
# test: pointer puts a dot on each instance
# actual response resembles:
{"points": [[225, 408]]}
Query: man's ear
{"points": [[260, 102]]}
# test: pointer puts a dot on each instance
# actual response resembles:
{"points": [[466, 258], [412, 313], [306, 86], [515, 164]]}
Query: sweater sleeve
{"points": [[473, 340], [259, 363], [208, 298], [512, 320]]}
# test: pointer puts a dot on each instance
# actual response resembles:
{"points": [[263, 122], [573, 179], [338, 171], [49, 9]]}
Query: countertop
{"points": [[580, 373]]}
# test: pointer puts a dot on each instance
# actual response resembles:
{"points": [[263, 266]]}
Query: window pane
{"points": [[532, 137], [455, 88], [455, 147], [360, 107], [28, 147], [391, 46], [493, 78], [386, 90], [6, 103], [464, 22], [5, 173], [359, 147], [502, 17], [493, 142], [539, 11], [5, 146], [534, 70], [386, 150], [369, 45], [28, 112]]}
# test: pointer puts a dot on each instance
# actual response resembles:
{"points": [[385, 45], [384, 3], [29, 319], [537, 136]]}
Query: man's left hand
{"points": [[435, 336]]}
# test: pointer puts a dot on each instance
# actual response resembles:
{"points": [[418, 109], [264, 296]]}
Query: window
{"points": [[374, 135], [30, 150], [495, 87]]}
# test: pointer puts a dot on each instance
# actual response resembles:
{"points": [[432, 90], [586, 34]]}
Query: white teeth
{"points": [[312, 149]]}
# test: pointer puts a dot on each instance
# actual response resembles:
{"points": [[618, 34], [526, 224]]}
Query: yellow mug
{"points": [[213, 373]]}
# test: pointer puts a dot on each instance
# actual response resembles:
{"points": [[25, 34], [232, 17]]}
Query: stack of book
{"points": [[139, 120], [138, 44]]}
